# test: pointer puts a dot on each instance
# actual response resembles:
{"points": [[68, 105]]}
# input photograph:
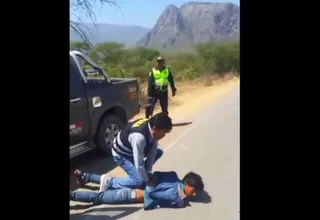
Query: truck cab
{"points": [[99, 105]]}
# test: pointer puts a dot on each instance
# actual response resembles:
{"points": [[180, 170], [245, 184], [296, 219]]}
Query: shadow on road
{"points": [[201, 197], [81, 207], [181, 124], [92, 214], [90, 162]]}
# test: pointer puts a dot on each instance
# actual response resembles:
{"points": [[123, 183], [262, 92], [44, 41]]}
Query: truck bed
{"points": [[122, 80]]}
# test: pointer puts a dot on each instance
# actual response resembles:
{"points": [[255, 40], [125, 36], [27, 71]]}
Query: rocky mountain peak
{"points": [[171, 16], [194, 22]]}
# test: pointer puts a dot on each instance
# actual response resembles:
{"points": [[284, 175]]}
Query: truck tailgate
{"points": [[131, 89]]}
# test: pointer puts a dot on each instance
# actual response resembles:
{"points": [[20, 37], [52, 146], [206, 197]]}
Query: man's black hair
{"points": [[161, 121], [194, 180]]}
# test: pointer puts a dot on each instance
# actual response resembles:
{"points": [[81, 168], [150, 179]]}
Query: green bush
{"points": [[206, 59]]}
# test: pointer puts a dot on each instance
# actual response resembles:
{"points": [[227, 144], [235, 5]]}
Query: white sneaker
{"points": [[104, 182]]}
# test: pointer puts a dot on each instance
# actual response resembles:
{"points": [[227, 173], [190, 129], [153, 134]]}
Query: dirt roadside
{"points": [[191, 97]]}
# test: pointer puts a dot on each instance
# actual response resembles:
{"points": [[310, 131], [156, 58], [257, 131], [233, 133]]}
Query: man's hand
{"points": [[181, 194], [152, 180], [174, 92]]}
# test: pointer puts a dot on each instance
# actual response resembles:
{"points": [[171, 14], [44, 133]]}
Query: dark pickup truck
{"points": [[99, 106]]}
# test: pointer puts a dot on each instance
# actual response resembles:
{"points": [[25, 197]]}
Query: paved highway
{"points": [[208, 146]]}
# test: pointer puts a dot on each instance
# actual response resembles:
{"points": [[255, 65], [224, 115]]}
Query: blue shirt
{"points": [[169, 193]]}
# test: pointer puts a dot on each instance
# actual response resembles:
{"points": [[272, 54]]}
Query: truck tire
{"points": [[107, 130]]}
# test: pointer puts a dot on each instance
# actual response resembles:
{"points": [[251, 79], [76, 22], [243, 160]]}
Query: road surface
{"points": [[208, 146]]}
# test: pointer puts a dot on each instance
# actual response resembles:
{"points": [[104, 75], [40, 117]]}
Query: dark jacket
{"points": [[151, 84], [166, 194]]}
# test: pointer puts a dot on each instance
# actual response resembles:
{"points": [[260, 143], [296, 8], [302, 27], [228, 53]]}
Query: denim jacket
{"points": [[168, 193]]}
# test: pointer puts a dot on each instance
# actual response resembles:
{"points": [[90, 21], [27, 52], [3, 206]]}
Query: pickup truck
{"points": [[99, 106]]}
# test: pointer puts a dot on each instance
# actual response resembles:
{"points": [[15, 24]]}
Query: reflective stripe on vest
{"points": [[161, 77]]}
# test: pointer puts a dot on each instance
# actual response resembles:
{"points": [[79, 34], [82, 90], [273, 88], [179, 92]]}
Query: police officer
{"points": [[159, 79]]}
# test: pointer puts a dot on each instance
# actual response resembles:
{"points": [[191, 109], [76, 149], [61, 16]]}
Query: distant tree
{"points": [[80, 45], [107, 52], [138, 56], [86, 6], [220, 57]]}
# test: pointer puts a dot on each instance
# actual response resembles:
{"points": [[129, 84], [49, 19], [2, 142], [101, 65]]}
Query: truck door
{"points": [[79, 115]]}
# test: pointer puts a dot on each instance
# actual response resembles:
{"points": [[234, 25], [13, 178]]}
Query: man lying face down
{"points": [[166, 191]]}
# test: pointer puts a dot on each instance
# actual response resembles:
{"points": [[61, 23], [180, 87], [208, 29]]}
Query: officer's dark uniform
{"points": [[138, 126], [130, 155], [158, 89]]}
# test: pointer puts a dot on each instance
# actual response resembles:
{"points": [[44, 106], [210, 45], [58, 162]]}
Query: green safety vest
{"points": [[161, 78]]}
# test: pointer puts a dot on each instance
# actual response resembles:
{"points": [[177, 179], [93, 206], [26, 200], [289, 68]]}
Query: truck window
{"points": [[76, 83], [91, 73]]}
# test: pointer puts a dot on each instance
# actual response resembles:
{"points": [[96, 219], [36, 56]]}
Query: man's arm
{"points": [[151, 157], [167, 197], [150, 85], [164, 197], [171, 81], [138, 144], [177, 204]]}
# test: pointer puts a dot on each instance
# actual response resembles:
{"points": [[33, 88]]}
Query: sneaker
{"points": [[104, 183], [79, 174]]}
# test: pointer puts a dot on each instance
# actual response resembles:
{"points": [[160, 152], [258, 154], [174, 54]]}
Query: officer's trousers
{"points": [[162, 96]]}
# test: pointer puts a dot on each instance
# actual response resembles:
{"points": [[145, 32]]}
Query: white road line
{"points": [[185, 132], [184, 146], [203, 114]]}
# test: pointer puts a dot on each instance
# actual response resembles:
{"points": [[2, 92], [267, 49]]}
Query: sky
{"points": [[135, 12]]}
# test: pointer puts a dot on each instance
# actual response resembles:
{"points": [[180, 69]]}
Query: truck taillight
{"points": [[134, 96], [132, 92]]}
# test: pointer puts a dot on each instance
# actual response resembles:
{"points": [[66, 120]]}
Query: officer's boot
{"points": [[148, 110], [149, 107]]}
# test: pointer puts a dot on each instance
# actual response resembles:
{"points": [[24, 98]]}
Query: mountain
{"points": [[97, 33], [193, 22]]}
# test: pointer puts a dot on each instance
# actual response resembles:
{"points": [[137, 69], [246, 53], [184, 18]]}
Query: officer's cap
{"points": [[159, 59]]}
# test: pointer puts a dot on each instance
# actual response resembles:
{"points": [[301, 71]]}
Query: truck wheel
{"points": [[107, 131]]}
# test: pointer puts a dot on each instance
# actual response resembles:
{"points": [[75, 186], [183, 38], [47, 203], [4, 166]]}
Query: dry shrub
{"points": [[230, 75], [208, 82]]}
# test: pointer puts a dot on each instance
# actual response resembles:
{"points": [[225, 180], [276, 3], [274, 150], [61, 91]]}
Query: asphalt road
{"points": [[208, 146]]}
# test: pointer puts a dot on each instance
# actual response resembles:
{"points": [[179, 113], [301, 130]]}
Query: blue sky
{"points": [[136, 12]]}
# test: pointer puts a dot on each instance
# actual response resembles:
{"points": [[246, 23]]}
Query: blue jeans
{"points": [[133, 180], [91, 178], [119, 196]]}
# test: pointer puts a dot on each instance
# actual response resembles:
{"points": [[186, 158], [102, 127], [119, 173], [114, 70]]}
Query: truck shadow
{"points": [[90, 162]]}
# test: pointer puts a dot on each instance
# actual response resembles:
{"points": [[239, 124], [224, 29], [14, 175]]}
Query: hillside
{"points": [[97, 33], [193, 22]]}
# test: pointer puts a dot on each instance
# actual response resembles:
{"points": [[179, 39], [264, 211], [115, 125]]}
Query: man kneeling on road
{"points": [[166, 191], [135, 150]]}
